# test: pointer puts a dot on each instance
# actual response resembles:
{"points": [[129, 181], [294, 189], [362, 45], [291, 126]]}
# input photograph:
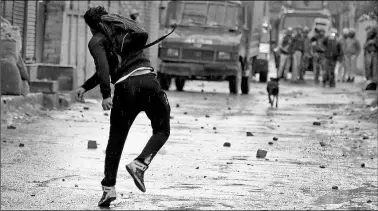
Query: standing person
{"points": [[341, 70], [307, 53], [138, 92], [318, 50], [371, 55], [333, 54], [285, 54], [134, 15], [298, 46], [352, 50]]}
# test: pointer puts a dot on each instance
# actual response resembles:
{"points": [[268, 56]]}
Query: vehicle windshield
{"points": [[294, 21], [215, 14]]}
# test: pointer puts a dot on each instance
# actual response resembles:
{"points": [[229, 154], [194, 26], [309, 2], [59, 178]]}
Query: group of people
{"points": [[330, 54]]}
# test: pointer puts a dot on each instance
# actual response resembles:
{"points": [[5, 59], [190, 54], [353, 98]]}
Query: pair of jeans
{"points": [[297, 63], [132, 96], [350, 66], [329, 73], [318, 66], [284, 67]]}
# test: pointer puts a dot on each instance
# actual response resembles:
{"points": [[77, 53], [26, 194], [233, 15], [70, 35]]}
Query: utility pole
{"points": [[352, 14]]}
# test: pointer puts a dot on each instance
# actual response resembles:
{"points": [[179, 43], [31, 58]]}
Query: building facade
{"points": [[54, 32]]}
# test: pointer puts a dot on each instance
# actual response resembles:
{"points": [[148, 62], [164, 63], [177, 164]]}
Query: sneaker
{"points": [[108, 196], [136, 169]]}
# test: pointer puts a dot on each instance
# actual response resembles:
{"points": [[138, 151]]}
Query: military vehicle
{"points": [[299, 13], [213, 40]]}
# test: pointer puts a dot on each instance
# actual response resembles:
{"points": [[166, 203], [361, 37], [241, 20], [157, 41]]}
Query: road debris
{"points": [[275, 139], [335, 187], [261, 153], [92, 144], [322, 144], [249, 134], [316, 123], [227, 144], [11, 127], [270, 143]]}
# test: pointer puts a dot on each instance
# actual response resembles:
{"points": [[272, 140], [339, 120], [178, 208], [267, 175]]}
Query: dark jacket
{"points": [[333, 49], [287, 46], [298, 43], [107, 63]]}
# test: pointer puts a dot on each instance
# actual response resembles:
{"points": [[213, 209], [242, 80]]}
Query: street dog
{"points": [[273, 89]]}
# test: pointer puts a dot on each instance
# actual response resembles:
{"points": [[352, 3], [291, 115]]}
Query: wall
{"points": [[67, 36]]}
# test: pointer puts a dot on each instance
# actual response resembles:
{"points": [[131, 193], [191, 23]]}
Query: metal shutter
{"points": [[30, 30]]}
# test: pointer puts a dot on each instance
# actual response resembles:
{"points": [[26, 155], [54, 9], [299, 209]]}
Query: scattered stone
{"points": [[197, 167], [5, 141], [63, 180], [202, 127], [275, 139], [261, 153], [21, 145], [322, 166], [335, 187], [229, 162], [32, 195], [229, 108], [185, 113], [356, 128], [92, 144], [316, 123], [205, 98], [12, 127], [330, 117], [202, 90], [86, 108], [276, 159], [249, 134], [121, 194], [249, 164], [76, 186], [365, 136], [227, 144], [334, 113], [207, 116], [195, 119], [177, 105], [368, 201], [278, 125], [270, 143], [322, 144], [363, 165], [214, 128], [204, 176], [266, 159], [106, 114]]}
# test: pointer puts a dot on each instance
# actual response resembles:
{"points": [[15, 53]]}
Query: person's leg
{"points": [[348, 67], [281, 66], [157, 108], [295, 73], [331, 76], [326, 72], [287, 65], [316, 66], [354, 66], [122, 116], [345, 69]]}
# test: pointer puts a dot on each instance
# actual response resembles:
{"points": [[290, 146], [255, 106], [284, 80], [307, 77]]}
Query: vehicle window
{"points": [[215, 17], [194, 13], [307, 4], [298, 21], [231, 16]]}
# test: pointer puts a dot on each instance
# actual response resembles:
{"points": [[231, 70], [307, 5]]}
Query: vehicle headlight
{"points": [[172, 52], [224, 55]]}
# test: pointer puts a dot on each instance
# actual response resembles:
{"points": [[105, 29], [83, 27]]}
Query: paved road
{"points": [[55, 170]]}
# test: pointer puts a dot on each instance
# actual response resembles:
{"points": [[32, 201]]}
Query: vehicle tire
{"points": [[232, 83], [180, 82], [245, 85], [164, 80], [263, 76]]}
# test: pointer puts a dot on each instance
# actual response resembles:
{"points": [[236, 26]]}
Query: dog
{"points": [[273, 89]]}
